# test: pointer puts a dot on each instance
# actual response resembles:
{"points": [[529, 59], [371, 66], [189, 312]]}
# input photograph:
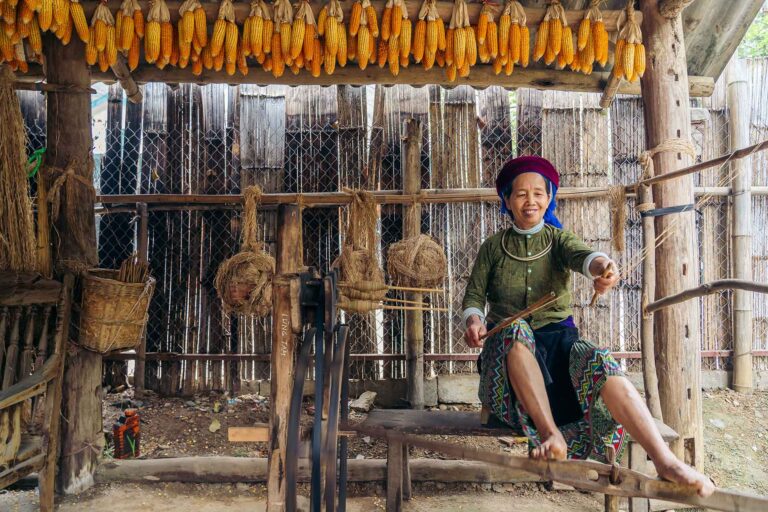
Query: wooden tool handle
{"points": [[607, 273], [541, 303]]}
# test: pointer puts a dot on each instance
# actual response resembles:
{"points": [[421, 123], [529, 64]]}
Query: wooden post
{"points": [[647, 343], [677, 331], [143, 251], [69, 143], [289, 259], [741, 230], [414, 321]]}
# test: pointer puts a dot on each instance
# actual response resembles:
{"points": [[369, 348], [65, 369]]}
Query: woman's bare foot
{"points": [[553, 448], [674, 470]]}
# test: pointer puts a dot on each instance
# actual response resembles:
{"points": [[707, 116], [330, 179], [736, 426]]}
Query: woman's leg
{"points": [[528, 384], [629, 409]]}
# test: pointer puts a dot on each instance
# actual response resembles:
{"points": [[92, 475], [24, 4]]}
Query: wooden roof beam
{"points": [[481, 76], [671, 8], [123, 75]]}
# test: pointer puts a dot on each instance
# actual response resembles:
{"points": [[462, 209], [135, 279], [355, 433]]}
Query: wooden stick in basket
{"points": [[539, 304]]}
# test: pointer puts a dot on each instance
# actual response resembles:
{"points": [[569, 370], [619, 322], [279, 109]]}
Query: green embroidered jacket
{"points": [[508, 275]]}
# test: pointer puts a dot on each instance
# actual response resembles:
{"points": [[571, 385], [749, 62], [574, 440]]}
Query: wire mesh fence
{"points": [[219, 139]]}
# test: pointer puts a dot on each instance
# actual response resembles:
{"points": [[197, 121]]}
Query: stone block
{"points": [[458, 389]]}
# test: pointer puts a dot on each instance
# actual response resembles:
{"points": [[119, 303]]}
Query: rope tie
{"points": [[300, 202], [672, 145], [64, 181], [250, 237], [645, 207]]}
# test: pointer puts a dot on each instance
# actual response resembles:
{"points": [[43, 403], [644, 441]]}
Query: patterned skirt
{"points": [[588, 432]]}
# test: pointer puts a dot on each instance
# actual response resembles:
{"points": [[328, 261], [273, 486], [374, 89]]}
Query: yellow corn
{"points": [[393, 48], [206, 58], [471, 45], [397, 21], [482, 52], [166, 40], [492, 40], [566, 48], [352, 48], [555, 41], [549, 56], [420, 40], [509, 67], [151, 42], [504, 34], [394, 66], [257, 35], [197, 47], [317, 58], [450, 71], [25, 13], [78, 18], [118, 27], [449, 42], [432, 41], [218, 61], [386, 23], [111, 49], [138, 23], [441, 38], [103, 62], [600, 36], [585, 32], [309, 42], [242, 64], [382, 53], [91, 54], [542, 35], [219, 33], [187, 26], [267, 65], [321, 17], [245, 46], [639, 59], [575, 64], [297, 37], [482, 27], [363, 48], [267, 36], [405, 38], [628, 61], [618, 59], [341, 53], [515, 35], [36, 41], [497, 65], [373, 22], [588, 53], [278, 63], [60, 11], [428, 60], [230, 44], [329, 62], [100, 34], [285, 39], [197, 67], [201, 26], [133, 54], [459, 47], [126, 33], [354, 18], [185, 49], [331, 36], [45, 15]]}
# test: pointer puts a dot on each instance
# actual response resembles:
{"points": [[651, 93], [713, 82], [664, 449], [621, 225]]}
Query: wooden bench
{"points": [[449, 423]]}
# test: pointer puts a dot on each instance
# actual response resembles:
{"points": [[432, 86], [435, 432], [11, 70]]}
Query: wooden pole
{"points": [[741, 229], [69, 143], [414, 320], [647, 343], [677, 331], [143, 251], [289, 259]]}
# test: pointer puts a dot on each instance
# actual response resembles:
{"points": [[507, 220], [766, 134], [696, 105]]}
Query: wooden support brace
{"points": [[611, 88], [706, 289], [672, 8], [123, 75]]}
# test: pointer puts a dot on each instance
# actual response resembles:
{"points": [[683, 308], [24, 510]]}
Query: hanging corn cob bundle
{"points": [[283, 21], [629, 59], [591, 41], [130, 31], [363, 37], [225, 35], [187, 28], [461, 45], [554, 37], [330, 24], [157, 17], [104, 38], [78, 20], [487, 34]]}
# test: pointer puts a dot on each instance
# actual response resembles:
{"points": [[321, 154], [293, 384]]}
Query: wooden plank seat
{"points": [[450, 423]]}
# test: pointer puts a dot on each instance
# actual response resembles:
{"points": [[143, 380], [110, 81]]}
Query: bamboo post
{"points": [[289, 259], [677, 330], [414, 320], [647, 343], [741, 229], [143, 251], [69, 143]]}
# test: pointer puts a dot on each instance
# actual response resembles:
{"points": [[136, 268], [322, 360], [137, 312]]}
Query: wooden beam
{"points": [[255, 434], [444, 8], [123, 75], [23, 85], [677, 329], [740, 109], [414, 320], [610, 91], [707, 289], [673, 8]]}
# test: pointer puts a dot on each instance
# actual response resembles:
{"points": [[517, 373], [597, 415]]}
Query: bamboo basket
{"points": [[113, 313]]}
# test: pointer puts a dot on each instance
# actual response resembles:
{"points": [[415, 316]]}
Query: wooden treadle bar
{"points": [[584, 475]]}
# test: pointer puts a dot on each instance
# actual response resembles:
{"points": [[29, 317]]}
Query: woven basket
{"points": [[113, 313]]}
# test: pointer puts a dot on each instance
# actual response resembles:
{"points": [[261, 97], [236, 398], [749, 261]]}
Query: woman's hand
{"points": [[475, 329], [607, 274]]}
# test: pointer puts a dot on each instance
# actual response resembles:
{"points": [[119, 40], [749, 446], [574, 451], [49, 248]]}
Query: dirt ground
{"points": [[735, 434]]}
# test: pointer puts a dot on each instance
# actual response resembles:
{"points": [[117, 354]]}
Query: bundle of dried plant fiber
{"points": [[17, 234], [244, 281], [358, 265], [617, 199], [417, 261]]}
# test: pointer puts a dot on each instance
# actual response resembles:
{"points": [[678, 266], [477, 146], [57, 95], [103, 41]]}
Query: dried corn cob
{"points": [[354, 18], [186, 23], [225, 16], [100, 20], [629, 44], [157, 17], [91, 54], [406, 34], [79, 21], [45, 15], [386, 21], [370, 15]]}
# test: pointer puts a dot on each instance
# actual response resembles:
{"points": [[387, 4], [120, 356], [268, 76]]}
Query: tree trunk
{"points": [[667, 116]]}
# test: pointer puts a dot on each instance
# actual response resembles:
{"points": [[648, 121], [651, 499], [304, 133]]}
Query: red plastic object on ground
{"points": [[127, 435]]}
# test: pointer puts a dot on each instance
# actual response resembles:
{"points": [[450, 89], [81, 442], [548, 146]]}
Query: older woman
{"points": [[568, 396]]}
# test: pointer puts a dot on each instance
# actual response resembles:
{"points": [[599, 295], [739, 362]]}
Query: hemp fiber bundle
{"points": [[17, 235], [244, 281], [418, 261]]}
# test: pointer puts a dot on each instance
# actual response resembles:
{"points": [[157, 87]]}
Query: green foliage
{"points": [[755, 42]]}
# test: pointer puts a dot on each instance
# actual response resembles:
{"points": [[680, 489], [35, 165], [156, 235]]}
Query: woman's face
{"points": [[528, 200]]}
